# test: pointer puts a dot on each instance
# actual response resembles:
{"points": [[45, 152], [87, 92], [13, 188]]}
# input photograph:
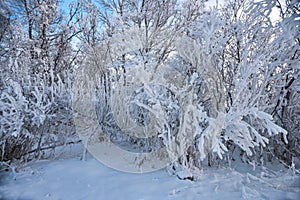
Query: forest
{"points": [[180, 84]]}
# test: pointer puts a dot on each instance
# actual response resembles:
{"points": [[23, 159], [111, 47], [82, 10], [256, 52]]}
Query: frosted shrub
{"points": [[245, 81], [33, 117], [14, 108]]}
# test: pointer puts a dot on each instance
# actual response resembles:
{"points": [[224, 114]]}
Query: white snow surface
{"points": [[72, 178]]}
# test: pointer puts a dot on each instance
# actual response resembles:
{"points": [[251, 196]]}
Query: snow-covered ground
{"points": [[72, 178]]}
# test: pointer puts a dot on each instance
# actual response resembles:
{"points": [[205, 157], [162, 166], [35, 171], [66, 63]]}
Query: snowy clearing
{"points": [[77, 179]]}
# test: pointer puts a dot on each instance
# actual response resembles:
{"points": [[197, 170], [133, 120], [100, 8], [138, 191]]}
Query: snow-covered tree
{"points": [[36, 59], [243, 58]]}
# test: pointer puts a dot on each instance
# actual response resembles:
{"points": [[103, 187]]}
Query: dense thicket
{"points": [[239, 62]]}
